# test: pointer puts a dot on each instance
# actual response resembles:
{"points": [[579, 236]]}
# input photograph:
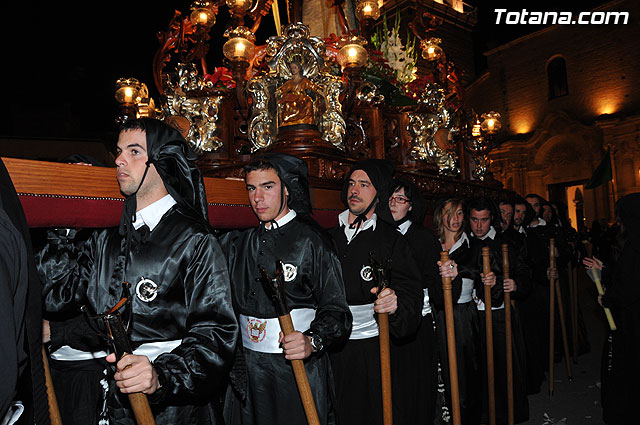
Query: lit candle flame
{"points": [[128, 95]]}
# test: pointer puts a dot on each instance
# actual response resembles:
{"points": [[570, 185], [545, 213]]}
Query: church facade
{"points": [[568, 97]]}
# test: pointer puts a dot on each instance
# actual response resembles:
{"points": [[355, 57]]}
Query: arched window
{"points": [[557, 77]]}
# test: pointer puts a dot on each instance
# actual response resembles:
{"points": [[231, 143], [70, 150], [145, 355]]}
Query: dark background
{"points": [[62, 59]]}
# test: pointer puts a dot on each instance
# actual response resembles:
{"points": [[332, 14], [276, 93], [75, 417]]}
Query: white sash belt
{"points": [[426, 306], [262, 334], [480, 303], [150, 349], [467, 291], [364, 324]]}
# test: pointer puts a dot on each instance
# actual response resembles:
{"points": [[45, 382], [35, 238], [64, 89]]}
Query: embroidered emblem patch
{"points": [[290, 272], [366, 273], [146, 290], [256, 330]]}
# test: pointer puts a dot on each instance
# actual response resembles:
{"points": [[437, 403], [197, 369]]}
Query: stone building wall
{"points": [[560, 141]]}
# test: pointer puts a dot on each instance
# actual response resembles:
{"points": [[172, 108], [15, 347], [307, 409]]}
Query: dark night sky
{"points": [[62, 58]]}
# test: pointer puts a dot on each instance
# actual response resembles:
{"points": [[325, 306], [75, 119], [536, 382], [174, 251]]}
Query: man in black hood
{"points": [[183, 329], [263, 389], [366, 231]]}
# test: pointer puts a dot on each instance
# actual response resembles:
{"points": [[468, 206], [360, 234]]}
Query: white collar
{"points": [[491, 234], [541, 222], [284, 219], [404, 227], [343, 220], [521, 230], [151, 214], [464, 238]]}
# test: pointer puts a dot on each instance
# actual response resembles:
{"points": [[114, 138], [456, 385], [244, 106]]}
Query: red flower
{"points": [[221, 77]]}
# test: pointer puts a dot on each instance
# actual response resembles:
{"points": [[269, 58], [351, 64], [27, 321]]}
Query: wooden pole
{"points": [[571, 306], [552, 307], [600, 289], [54, 411], [385, 368], [451, 342], [507, 321], [301, 376], [141, 409], [488, 320], [574, 318], [563, 328]]}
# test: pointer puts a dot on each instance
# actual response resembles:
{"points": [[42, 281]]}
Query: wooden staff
{"points": [[488, 321], [563, 328], [381, 279], [592, 273], [594, 277], [507, 321], [301, 376], [571, 306], [574, 317], [275, 288], [54, 411], [385, 368], [451, 342], [141, 408], [552, 307]]}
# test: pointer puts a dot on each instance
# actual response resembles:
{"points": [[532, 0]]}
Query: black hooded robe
{"points": [[620, 365], [272, 396], [414, 359], [356, 365], [521, 274], [469, 343], [191, 305]]}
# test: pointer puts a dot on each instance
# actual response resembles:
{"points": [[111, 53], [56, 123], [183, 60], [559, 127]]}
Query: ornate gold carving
{"points": [[424, 126], [295, 46], [189, 98]]}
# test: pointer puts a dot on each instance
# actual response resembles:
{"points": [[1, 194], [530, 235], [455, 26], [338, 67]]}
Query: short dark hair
{"points": [[535, 195], [484, 203], [132, 124], [529, 214], [510, 201], [259, 164]]}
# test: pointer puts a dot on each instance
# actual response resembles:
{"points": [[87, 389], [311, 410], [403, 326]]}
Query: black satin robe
{"points": [[356, 365], [193, 305], [521, 274], [469, 344], [414, 358], [271, 395]]}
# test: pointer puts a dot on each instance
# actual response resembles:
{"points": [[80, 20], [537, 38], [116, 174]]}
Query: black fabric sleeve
{"points": [[405, 281]]}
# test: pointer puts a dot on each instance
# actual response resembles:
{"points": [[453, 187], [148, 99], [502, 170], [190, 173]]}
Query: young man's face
{"points": [[519, 214], [399, 204], [264, 188], [480, 222], [506, 215], [535, 204], [131, 159], [360, 192]]}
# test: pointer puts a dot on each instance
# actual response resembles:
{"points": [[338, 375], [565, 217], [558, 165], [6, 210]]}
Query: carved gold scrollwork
{"points": [[261, 127], [431, 131], [297, 45], [194, 111]]}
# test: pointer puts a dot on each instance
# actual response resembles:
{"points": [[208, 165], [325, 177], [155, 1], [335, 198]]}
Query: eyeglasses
{"points": [[399, 199]]}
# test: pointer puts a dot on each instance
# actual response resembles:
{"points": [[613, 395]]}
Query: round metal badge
{"points": [[290, 272], [366, 273], [146, 290]]}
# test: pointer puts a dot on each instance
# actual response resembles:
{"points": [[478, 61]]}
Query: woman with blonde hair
{"points": [[462, 268]]}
